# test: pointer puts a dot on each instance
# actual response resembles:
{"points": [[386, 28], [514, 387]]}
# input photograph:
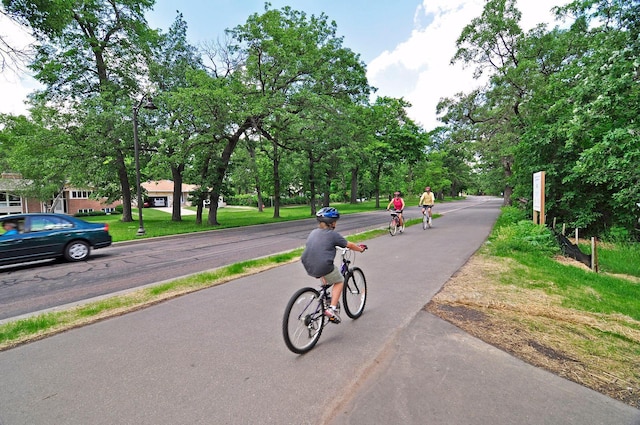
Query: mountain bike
{"points": [[304, 317], [426, 219], [394, 225]]}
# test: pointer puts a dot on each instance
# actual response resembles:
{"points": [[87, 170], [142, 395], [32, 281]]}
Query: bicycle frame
{"points": [[345, 254], [395, 223]]}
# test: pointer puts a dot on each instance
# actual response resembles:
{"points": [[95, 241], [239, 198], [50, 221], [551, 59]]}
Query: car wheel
{"points": [[77, 251]]}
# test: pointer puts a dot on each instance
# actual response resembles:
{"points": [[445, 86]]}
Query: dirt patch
{"points": [[590, 349], [571, 262]]}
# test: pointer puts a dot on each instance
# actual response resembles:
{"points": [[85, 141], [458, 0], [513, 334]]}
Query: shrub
{"points": [[510, 216], [90, 214], [523, 236], [616, 235], [247, 200]]}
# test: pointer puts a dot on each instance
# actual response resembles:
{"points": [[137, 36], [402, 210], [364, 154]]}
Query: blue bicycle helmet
{"points": [[328, 215]]}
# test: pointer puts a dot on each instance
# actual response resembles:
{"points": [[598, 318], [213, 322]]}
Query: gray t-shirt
{"points": [[320, 251]]}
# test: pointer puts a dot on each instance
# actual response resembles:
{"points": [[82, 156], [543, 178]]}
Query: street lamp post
{"points": [[148, 104]]}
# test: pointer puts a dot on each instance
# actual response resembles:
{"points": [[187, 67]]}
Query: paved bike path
{"points": [[217, 356]]}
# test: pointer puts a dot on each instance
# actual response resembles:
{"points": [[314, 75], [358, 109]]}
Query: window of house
{"points": [[81, 194], [85, 210], [9, 200]]}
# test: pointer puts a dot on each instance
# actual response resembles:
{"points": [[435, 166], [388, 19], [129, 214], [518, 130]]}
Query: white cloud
{"points": [[419, 69]]}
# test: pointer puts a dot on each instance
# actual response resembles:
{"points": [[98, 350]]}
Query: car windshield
{"points": [[38, 224]]}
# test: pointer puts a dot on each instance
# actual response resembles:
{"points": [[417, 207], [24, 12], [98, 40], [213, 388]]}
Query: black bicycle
{"points": [[304, 317]]}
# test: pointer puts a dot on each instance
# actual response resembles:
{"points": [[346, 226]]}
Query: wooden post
{"points": [[538, 197], [594, 254], [542, 196]]}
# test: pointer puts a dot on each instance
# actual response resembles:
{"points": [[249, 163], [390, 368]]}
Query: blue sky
{"points": [[406, 44], [366, 29]]}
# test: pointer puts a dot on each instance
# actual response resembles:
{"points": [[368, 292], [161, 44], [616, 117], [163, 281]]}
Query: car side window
{"points": [[39, 224], [19, 227]]}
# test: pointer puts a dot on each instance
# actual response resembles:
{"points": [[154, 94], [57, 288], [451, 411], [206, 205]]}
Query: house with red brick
{"points": [[77, 200], [71, 201]]}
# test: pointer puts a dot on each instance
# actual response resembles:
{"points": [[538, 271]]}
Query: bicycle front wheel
{"points": [[393, 227], [303, 321], [425, 221], [354, 293]]}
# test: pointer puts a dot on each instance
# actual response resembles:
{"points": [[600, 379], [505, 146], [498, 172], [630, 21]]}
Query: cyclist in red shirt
{"points": [[398, 205]]}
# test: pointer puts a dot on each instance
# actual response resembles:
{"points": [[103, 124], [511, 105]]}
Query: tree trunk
{"points": [[276, 182], [508, 189], [354, 185], [221, 170], [176, 212], [213, 208], [123, 178], [254, 165], [312, 184], [377, 185]]}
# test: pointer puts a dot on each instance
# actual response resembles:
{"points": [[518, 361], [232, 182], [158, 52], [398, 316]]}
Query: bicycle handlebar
{"points": [[345, 250]]}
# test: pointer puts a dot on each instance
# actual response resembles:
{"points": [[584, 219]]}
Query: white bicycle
{"points": [[426, 218]]}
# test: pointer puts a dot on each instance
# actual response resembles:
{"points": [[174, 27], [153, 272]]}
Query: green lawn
{"points": [[159, 223]]}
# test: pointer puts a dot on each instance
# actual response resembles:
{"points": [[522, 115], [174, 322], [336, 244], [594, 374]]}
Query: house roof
{"points": [[13, 184], [166, 186]]}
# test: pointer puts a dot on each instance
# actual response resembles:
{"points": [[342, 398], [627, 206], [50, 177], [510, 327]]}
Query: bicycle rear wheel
{"points": [[393, 227], [303, 321], [354, 293]]}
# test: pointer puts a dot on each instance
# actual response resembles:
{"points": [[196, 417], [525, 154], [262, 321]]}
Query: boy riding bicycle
{"points": [[319, 254]]}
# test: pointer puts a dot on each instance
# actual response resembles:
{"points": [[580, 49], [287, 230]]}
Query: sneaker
{"points": [[332, 315]]}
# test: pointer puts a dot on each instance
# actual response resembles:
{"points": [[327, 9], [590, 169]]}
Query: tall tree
{"points": [[87, 50], [491, 42], [395, 142], [173, 59], [21, 137], [294, 61]]}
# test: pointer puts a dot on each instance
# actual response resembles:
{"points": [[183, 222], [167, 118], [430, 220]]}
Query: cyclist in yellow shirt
{"points": [[427, 200]]}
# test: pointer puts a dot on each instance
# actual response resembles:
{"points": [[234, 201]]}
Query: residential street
{"points": [[217, 356], [26, 289]]}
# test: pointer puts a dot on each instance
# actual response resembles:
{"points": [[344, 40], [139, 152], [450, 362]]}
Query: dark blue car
{"points": [[44, 236]]}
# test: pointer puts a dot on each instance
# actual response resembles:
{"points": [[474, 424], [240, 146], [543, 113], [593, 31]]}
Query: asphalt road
{"points": [[50, 284], [217, 356]]}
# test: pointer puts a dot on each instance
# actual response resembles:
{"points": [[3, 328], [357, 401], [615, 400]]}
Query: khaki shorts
{"points": [[333, 277]]}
